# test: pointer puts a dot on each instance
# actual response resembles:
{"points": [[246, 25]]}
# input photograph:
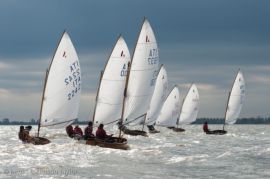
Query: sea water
{"points": [[242, 153]]}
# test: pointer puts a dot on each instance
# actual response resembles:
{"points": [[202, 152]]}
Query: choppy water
{"points": [[243, 153]]}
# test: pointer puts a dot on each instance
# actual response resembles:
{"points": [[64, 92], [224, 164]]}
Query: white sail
{"points": [[110, 97], [63, 87], [236, 99], [190, 106], [170, 109], [158, 97], [142, 76]]}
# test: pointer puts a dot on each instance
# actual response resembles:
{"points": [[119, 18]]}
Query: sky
{"points": [[200, 41]]}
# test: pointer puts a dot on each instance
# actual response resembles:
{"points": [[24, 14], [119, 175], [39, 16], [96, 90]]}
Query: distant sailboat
{"points": [[62, 88], [189, 109], [170, 110], [234, 103], [109, 100], [157, 100], [141, 80]]}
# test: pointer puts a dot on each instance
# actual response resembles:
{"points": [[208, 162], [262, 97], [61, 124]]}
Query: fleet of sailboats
{"points": [[131, 91]]}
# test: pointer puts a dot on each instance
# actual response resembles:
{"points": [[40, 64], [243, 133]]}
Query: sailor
{"points": [[88, 131], [78, 131], [70, 131], [28, 129], [24, 135], [101, 133], [205, 127]]}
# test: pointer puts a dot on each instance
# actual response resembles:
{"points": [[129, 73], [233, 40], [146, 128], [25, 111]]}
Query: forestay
{"points": [[170, 109], [143, 73], [236, 99], [158, 97], [62, 91], [112, 85], [190, 106]]}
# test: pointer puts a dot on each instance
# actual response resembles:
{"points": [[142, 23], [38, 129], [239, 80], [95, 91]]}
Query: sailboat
{"points": [[189, 109], [157, 100], [234, 103], [170, 110], [62, 88], [141, 80], [109, 99]]}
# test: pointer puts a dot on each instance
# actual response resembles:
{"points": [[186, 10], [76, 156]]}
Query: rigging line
{"points": [[135, 119], [110, 103]]}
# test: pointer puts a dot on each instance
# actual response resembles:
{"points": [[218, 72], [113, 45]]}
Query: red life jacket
{"points": [[101, 133], [88, 131], [205, 128], [78, 131]]}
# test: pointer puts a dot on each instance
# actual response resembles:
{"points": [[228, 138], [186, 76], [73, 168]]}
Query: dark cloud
{"points": [[200, 41]]}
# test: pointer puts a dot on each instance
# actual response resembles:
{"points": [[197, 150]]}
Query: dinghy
{"points": [[189, 109], [234, 103], [157, 100], [62, 88], [140, 81], [109, 99], [170, 110]]}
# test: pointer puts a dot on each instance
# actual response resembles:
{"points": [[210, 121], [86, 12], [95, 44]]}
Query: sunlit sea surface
{"points": [[242, 153]]}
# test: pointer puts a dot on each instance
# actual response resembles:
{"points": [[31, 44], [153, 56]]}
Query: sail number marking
{"points": [[73, 80]]}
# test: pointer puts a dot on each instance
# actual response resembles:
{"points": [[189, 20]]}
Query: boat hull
{"points": [[40, 141], [114, 143], [178, 130], [217, 132]]}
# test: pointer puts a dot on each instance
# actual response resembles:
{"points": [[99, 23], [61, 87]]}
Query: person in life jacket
{"points": [[78, 131], [101, 133], [205, 127], [70, 131], [24, 135], [88, 131]]}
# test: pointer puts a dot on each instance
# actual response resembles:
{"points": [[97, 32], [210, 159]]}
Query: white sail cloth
{"points": [[112, 85], [158, 97], [236, 99], [170, 109], [63, 86], [142, 76], [190, 106]]}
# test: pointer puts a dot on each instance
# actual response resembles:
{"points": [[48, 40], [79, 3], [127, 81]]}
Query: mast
{"points": [[226, 110], [124, 99], [100, 78], [42, 99], [229, 99], [144, 121]]}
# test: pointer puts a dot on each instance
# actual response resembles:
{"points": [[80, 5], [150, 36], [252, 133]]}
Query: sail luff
{"points": [[42, 99], [124, 98], [95, 108]]}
